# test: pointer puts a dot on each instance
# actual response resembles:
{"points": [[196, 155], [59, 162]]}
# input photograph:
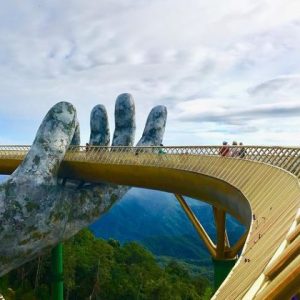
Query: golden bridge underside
{"points": [[261, 196]]}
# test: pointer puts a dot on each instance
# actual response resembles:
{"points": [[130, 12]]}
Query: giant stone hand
{"points": [[38, 209]]}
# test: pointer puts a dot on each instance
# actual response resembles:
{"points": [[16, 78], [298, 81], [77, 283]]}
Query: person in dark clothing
{"points": [[242, 152]]}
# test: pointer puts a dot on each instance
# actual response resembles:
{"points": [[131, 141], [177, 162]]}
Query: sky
{"points": [[226, 70]]}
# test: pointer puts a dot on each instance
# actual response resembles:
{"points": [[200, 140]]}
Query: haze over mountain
{"points": [[157, 220]]}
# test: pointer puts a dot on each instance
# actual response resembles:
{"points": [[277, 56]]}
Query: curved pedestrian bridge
{"points": [[260, 189]]}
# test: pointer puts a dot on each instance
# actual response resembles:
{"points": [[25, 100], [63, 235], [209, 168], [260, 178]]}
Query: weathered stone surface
{"points": [[155, 127], [36, 209], [31, 196], [76, 137], [51, 142], [124, 121], [99, 127]]}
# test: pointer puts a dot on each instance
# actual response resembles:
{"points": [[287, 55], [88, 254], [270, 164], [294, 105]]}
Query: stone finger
{"points": [[76, 137], [124, 121], [155, 127], [100, 135]]}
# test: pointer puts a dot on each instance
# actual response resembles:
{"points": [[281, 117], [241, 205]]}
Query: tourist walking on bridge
{"points": [[161, 150], [242, 152], [224, 150], [235, 151]]}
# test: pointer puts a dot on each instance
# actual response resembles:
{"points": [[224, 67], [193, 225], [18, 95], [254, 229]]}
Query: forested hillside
{"points": [[156, 220], [99, 269]]}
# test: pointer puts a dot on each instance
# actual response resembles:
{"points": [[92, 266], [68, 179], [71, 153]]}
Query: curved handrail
{"points": [[287, 158]]}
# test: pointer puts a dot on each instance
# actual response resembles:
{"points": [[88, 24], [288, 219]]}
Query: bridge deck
{"points": [[260, 195]]}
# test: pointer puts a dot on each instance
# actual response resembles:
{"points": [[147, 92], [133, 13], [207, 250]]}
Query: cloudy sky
{"points": [[224, 69]]}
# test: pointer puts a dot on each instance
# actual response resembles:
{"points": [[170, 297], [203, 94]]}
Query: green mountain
{"points": [[156, 220]]}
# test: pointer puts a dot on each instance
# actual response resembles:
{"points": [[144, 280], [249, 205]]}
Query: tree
{"points": [[105, 270]]}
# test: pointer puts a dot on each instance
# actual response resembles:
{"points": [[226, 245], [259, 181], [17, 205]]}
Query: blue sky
{"points": [[225, 70]]}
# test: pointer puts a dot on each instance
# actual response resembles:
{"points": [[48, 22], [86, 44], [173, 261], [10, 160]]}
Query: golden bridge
{"points": [[260, 189]]}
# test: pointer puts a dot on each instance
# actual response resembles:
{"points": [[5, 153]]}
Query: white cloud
{"points": [[188, 56]]}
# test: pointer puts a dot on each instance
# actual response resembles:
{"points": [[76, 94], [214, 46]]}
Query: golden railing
{"points": [[287, 158]]}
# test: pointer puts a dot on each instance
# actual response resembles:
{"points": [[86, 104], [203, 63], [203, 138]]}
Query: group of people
{"points": [[238, 150]]}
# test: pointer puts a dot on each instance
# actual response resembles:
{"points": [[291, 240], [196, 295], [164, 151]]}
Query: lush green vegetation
{"points": [[195, 268], [99, 269]]}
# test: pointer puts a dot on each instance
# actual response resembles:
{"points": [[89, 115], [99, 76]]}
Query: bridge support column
{"points": [[211, 247], [224, 257], [222, 267], [57, 273]]}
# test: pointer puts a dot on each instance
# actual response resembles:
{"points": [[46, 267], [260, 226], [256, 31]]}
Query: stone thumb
{"points": [[52, 140]]}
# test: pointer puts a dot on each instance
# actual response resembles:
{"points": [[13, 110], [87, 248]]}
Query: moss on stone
{"points": [[30, 229], [24, 242], [16, 206], [37, 235], [70, 109], [36, 160], [31, 205]]}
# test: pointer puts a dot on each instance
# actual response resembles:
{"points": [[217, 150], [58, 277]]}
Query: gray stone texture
{"points": [[76, 137], [155, 127], [100, 135], [124, 121], [36, 210]]}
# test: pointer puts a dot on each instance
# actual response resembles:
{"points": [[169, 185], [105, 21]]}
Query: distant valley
{"points": [[156, 220]]}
